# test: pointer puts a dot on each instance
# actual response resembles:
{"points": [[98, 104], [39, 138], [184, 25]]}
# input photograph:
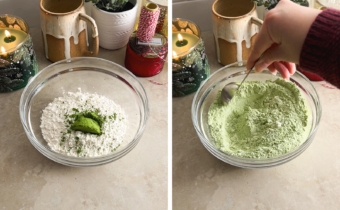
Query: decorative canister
{"points": [[146, 59], [17, 57], [189, 62]]}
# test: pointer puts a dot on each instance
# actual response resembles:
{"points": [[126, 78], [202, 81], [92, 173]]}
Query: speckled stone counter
{"points": [[311, 181], [28, 180]]}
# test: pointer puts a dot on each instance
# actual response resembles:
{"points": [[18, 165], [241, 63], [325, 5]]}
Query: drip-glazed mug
{"points": [[235, 26], [64, 30]]}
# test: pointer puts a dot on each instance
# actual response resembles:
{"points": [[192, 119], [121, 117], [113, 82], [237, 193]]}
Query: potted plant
{"points": [[112, 5], [270, 4], [115, 20], [263, 6]]}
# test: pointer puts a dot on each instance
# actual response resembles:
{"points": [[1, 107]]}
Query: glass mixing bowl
{"points": [[206, 94], [92, 75]]}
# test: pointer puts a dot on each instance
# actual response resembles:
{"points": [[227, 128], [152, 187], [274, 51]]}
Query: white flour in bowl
{"points": [[59, 114]]}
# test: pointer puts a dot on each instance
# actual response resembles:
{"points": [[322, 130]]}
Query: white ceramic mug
{"points": [[235, 26]]}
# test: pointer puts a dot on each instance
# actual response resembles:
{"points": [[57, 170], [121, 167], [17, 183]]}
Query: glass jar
{"points": [[146, 59], [17, 57], [189, 61]]}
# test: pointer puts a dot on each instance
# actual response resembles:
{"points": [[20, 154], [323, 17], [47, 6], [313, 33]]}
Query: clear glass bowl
{"points": [[206, 94], [92, 75]]}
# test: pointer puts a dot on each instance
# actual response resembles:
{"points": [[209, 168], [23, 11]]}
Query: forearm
{"points": [[321, 49]]}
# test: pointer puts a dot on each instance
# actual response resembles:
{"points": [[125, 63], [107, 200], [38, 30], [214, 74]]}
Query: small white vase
{"points": [[261, 12], [88, 7], [114, 28]]}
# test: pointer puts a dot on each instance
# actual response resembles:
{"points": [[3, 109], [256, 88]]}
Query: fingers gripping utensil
{"points": [[230, 89]]}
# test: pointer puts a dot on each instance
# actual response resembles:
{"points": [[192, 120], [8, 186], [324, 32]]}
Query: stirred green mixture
{"points": [[263, 120]]}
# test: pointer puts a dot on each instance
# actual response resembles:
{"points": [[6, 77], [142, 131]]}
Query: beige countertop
{"points": [[29, 180], [201, 181]]}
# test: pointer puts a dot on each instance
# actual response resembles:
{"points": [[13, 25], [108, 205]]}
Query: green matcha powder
{"points": [[263, 120]]}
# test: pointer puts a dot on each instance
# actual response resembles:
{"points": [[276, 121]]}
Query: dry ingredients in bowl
{"points": [[83, 125], [263, 120]]}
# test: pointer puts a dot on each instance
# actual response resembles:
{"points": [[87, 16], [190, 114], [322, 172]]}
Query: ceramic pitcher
{"points": [[64, 30], [235, 26]]}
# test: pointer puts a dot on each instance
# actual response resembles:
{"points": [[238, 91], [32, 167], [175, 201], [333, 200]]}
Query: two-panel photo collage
{"points": [[169, 105]]}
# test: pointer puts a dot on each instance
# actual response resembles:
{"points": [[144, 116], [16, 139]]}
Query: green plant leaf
{"points": [[10, 70], [181, 75], [270, 4], [111, 5]]}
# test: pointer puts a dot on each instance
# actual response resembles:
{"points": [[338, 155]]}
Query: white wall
{"points": [[29, 10], [200, 11]]}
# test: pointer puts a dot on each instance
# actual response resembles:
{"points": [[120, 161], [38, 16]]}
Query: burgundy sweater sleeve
{"points": [[321, 50]]}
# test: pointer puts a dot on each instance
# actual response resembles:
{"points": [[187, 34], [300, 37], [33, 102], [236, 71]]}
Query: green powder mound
{"points": [[86, 125], [263, 120], [94, 116]]}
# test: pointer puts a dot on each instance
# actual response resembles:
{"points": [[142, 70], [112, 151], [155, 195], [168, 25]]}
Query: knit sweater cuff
{"points": [[321, 47]]}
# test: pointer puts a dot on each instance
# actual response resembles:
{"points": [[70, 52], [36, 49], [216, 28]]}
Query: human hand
{"points": [[281, 38]]}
